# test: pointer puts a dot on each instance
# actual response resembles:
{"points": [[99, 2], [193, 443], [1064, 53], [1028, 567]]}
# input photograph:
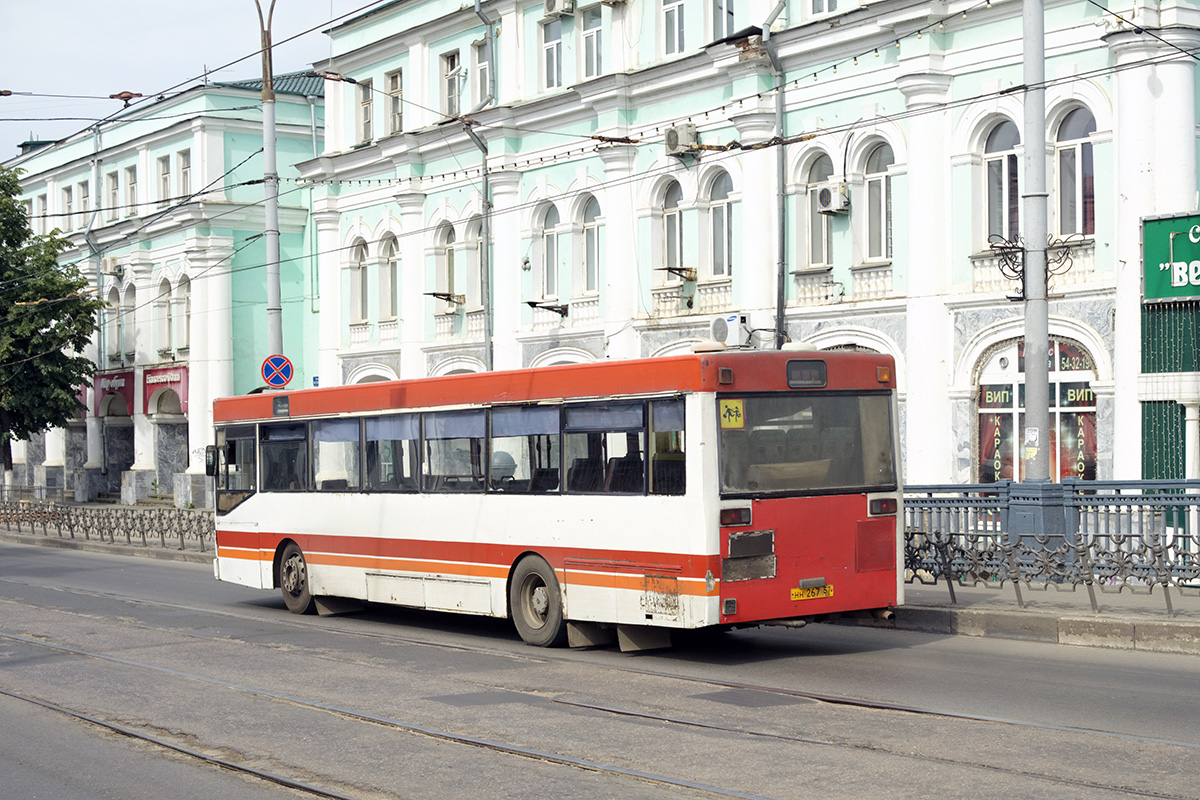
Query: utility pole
{"points": [[271, 183]]}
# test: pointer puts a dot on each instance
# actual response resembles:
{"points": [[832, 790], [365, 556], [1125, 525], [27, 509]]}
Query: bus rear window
{"points": [[803, 443]]}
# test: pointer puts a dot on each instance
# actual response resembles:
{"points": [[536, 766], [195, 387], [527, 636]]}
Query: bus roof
{"points": [[752, 371]]}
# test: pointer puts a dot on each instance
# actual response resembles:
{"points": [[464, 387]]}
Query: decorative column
{"points": [[137, 481], [619, 284], [753, 280], [329, 282], [929, 442], [413, 323], [506, 269]]}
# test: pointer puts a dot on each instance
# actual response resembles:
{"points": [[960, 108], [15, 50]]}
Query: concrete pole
{"points": [[271, 184], [1036, 441]]}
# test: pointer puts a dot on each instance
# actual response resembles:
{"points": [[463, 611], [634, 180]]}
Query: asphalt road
{"points": [[397, 703]]}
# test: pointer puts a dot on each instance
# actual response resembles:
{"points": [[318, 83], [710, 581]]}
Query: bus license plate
{"points": [[813, 593]]}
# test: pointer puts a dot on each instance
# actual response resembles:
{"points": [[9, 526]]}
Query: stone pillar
{"points": [[756, 257], [506, 269], [51, 473], [329, 283], [412, 281], [930, 444], [619, 285]]}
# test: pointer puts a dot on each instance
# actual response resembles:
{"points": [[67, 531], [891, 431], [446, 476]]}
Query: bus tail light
{"points": [[735, 516], [882, 506]]}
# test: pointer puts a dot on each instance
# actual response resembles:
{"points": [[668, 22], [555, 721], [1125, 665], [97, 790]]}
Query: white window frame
{"points": [[163, 317], [445, 279], [673, 27], [552, 71], [451, 83], [164, 180], [114, 194], [593, 42], [184, 159], [672, 231], [723, 20], [84, 202], [68, 208], [183, 319], [366, 112], [359, 284], [592, 228], [481, 55], [720, 220], [395, 95], [1075, 184], [131, 191], [550, 253], [389, 277], [43, 207], [1002, 189], [878, 193], [819, 226], [822, 7]]}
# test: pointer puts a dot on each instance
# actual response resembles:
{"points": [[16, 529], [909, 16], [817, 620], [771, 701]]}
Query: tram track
{"points": [[551, 757], [552, 656]]}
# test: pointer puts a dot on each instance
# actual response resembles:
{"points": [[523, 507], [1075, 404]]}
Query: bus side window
{"points": [[668, 472], [336, 454], [525, 449], [393, 451], [454, 449], [236, 466], [605, 447], [284, 448]]}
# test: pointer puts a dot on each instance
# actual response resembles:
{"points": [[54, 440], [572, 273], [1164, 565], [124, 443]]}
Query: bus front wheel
{"points": [[293, 580], [536, 603]]}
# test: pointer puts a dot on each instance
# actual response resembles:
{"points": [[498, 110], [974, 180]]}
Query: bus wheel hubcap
{"points": [[539, 601]]}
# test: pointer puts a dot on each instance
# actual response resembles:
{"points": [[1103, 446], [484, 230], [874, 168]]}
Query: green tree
{"points": [[47, 318]]}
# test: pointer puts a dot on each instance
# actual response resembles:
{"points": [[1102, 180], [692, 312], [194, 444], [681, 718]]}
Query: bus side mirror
{"points": [[210, 460]]}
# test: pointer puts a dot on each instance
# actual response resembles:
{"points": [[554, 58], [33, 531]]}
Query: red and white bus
{"points": [[590, 503]]}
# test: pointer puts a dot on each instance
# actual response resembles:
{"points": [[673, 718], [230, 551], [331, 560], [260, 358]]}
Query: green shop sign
{"points": [[1171, 258]]}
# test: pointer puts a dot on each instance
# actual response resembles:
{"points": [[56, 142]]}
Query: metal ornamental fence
{"points": [[1109, 537], [175, 528]]}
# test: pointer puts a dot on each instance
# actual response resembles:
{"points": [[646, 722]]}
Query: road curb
{"points": [[161, 553], [1121, 633]]}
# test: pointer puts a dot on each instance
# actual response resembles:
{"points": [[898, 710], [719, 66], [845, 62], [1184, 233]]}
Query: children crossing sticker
{"points": [[733, 414]]}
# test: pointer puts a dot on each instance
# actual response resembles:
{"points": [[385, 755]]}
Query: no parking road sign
{"points": [[277, 371]]}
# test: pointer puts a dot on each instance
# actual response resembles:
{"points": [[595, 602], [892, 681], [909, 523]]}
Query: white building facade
{"points": [[162, 206], [643, 182]]}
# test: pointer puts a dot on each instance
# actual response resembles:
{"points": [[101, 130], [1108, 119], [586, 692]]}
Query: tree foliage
{"points": [[47, 318]]}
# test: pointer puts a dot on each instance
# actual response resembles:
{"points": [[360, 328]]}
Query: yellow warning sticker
{"points": [[733, 415]]}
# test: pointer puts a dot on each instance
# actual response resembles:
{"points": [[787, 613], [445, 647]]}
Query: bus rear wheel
{"points": [[293, 580], [536, 603]]}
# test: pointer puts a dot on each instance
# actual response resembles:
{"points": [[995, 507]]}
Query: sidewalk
{"points": [[1125, 621]]}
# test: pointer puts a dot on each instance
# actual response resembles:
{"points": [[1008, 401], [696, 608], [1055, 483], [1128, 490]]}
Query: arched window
{"points": [[550, 253], [672, 228], [112, 325], [445, 266], [475, 263], [820, 226], [720, 210], [183, 314], [1003, 197], [1072, 412], [359, 286], [591, 247], [128, 326], [163, 315], [389, 279], [1076, 174], [879, 203]]}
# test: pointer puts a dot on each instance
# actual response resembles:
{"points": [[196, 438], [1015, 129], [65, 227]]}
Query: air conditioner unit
{"points": [[681, 139], [732, 330], [833, 199], [109, 266], [557, 8]]}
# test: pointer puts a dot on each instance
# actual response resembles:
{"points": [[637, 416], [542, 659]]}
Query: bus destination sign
{"points": [[1171, 258]]}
